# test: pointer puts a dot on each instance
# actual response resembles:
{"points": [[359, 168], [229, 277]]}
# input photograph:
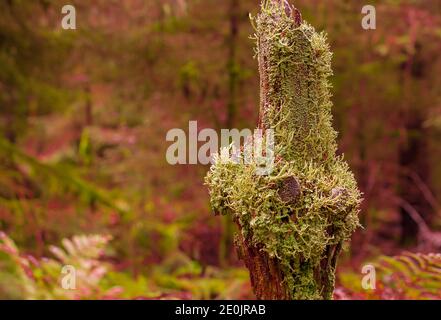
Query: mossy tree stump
{"points": [[293, 222]]}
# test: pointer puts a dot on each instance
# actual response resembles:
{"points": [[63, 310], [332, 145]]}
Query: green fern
{"points": [[41, 279], [55, 177], [406, 276], [411, 275]]}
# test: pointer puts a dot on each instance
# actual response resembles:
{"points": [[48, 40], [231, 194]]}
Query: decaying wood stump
{"points": [[292, 222]]}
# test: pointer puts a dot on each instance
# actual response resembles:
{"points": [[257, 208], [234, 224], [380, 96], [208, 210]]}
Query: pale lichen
{"points": [[295, 63]]}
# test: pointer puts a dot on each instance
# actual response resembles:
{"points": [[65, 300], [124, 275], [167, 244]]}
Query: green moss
{"points": [[295, 63]]}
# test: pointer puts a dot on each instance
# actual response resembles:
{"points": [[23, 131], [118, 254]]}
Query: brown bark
{"points": [[265, 273], [267, 276]]}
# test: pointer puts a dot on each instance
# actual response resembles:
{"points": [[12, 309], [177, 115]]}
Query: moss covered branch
{"points": [[293, 222]]}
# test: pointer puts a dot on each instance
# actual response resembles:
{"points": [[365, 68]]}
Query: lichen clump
{"points": [[294, 65]]}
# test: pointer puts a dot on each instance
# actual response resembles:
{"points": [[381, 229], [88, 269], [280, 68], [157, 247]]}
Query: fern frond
{"points": [[40, 279], [414, 267], [60, 175], [406, 276]]}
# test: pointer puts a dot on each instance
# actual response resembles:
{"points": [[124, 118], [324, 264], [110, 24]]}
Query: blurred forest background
{"points": [[83, 119]]}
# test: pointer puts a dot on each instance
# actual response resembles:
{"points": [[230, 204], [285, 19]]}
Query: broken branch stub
{"points": [[289, 191], [292, 223]]}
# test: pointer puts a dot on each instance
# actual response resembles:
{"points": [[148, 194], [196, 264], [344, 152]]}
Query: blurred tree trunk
{"points": [[233, 16], [88, 117], [413, 152], [232, 65], [413, 162]]}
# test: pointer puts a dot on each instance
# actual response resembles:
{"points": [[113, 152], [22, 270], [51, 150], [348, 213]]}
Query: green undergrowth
{"points": [[23, 276]]}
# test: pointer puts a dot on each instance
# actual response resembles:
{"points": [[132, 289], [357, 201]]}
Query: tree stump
{"points": [[294, 221]]}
